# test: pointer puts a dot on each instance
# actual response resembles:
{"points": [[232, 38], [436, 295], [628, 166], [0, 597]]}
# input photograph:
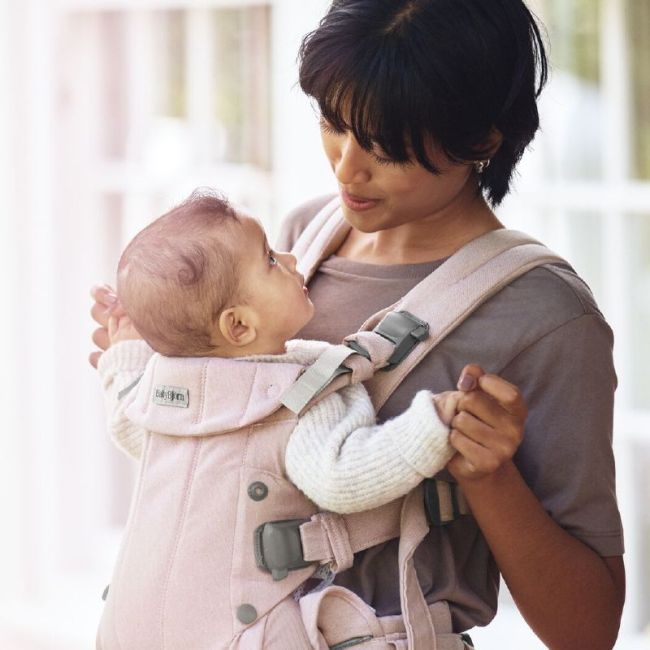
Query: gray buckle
{"points": [[432, 503], [278, 547], [404, 331]]}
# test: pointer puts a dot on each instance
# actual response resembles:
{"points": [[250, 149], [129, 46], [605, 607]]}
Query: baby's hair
{"points": [[177, 275]]}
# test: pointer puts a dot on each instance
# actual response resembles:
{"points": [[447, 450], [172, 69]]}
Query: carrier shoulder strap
{"points": [[443, 300]]}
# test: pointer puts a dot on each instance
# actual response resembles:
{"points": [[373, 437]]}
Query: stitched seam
{"points": [[127, 541], [199, 413], [179, 533], [558, 272], [231, 591], [250, 394], [542, 337]]}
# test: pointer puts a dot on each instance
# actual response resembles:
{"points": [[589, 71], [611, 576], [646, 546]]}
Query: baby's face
{"points": [[272, 286]]}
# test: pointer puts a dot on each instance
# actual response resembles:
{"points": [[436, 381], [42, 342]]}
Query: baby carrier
{"points": [[218, 540]]}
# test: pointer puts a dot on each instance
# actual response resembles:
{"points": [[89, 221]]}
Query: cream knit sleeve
{"points": [[119, 367], [345, 462]]}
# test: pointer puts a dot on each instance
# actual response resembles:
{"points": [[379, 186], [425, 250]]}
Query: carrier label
{"points": [[171, 396]]}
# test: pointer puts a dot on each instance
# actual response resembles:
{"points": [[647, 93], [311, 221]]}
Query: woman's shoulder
{"points": [[298, 219], [556, 288]]}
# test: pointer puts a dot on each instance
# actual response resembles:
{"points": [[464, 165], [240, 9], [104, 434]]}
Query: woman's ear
{"points": [[491, 144], [237, 326]]}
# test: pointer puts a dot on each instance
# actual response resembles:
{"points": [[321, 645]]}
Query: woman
{"points": [[426, 108]]}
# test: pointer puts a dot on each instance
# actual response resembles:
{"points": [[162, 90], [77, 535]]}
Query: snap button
{"points": [[246, 614], [258, 491]]}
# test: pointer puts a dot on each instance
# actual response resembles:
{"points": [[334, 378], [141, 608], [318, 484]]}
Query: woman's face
{"points": [[377, 194]]}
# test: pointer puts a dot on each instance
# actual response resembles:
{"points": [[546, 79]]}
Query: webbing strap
{"points": [[322, 237], [321, 535], [316, 377], [420, 632]]}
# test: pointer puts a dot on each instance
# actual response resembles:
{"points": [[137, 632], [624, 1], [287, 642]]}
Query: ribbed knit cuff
{"points": [[125, 356], [421, 437]]}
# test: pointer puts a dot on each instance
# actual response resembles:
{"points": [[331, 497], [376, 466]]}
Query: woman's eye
{"points": [[326, 127], [382, 160]]}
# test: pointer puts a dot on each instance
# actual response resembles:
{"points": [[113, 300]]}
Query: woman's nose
{"points": [[351, 162]]}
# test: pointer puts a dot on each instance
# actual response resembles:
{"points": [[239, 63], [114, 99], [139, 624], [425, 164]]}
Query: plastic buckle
{"points": [[278, 547], [432, 503], [405, 331]]}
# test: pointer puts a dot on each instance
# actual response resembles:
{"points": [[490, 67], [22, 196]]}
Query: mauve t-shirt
{"points": [[545, 334]]}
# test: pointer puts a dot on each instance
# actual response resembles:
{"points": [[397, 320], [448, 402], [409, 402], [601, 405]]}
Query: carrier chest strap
{"points": [[329, 538]]}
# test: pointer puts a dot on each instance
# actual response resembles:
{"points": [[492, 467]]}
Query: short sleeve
{"points": [[568, 380]]}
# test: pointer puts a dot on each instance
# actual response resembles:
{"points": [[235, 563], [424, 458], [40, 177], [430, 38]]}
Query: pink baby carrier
{"points": [[218, 540]]}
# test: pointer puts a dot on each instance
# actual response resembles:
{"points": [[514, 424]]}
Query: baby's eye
{"points": [[273, 260]]}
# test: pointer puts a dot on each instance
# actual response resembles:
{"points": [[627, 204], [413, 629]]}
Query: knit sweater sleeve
{"points": [[345, 462], [119, 367]]}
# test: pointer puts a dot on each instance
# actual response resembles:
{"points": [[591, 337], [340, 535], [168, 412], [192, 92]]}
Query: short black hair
{"points": [[399, 73]]}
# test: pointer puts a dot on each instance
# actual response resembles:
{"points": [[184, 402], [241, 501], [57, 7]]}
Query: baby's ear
{"points": [[236, 326]]}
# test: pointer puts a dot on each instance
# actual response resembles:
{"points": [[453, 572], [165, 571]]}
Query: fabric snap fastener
{"points": [[258, 491], [272, 391], [246, 614]]}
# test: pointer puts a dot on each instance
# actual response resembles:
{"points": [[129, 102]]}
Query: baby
{"points": [[203, 289]]}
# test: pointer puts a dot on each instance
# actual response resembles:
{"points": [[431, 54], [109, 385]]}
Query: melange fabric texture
{"points": [[337, 455], [545, 334]]}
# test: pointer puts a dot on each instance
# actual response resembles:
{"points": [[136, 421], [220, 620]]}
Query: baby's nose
{"points": [[289, 261]]}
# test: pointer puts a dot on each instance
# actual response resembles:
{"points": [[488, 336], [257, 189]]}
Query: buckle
{"points": [[404, 331], [278, 547], [432, 502]]}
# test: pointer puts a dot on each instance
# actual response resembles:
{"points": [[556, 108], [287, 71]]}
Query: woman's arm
{"points": [[569, 595]]}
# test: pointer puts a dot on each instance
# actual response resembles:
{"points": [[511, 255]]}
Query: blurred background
{"points": [[114, 110]]}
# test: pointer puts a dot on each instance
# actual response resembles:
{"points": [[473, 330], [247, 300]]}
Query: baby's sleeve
{"points": [[119, 368], [345, 462]]}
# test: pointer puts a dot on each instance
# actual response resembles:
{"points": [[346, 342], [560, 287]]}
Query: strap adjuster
{"points": [[404, 331], [278, 547], [443, 502]]}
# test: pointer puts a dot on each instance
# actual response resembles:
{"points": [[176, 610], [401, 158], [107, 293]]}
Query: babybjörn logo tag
{"points": [[171, 396]]}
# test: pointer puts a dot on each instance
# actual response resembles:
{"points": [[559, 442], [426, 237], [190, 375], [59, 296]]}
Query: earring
{"points": [[481, 165]]}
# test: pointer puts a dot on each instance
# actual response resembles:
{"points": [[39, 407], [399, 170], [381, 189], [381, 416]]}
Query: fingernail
{"points": [[111, 298], [466, 383]]}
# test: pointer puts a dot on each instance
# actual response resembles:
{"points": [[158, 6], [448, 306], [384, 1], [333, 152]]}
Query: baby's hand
{"points": [[121, 328], [446, 404]]}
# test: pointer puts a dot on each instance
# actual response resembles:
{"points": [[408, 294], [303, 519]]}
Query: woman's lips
{"points": [[357, 203]]}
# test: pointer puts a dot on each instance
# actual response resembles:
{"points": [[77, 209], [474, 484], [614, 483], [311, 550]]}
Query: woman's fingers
{"points": [[100, 338], [505, 393], [498, 442], [93, 358], [469, 377], [106, 304], [489, 425], [481, 407], [473, 459]]}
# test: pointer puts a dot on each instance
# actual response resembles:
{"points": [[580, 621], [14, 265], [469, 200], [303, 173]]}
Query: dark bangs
{"points": [[407, 74], [367, 88]]}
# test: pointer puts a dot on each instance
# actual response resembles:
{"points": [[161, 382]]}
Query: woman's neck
{"points": [[424, 240]]}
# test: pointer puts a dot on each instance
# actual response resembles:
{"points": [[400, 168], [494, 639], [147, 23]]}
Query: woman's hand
{"points": [[488, 427], [106, 306]]}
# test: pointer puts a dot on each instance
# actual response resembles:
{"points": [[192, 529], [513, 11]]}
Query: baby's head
{"points": [[201, 281]]}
